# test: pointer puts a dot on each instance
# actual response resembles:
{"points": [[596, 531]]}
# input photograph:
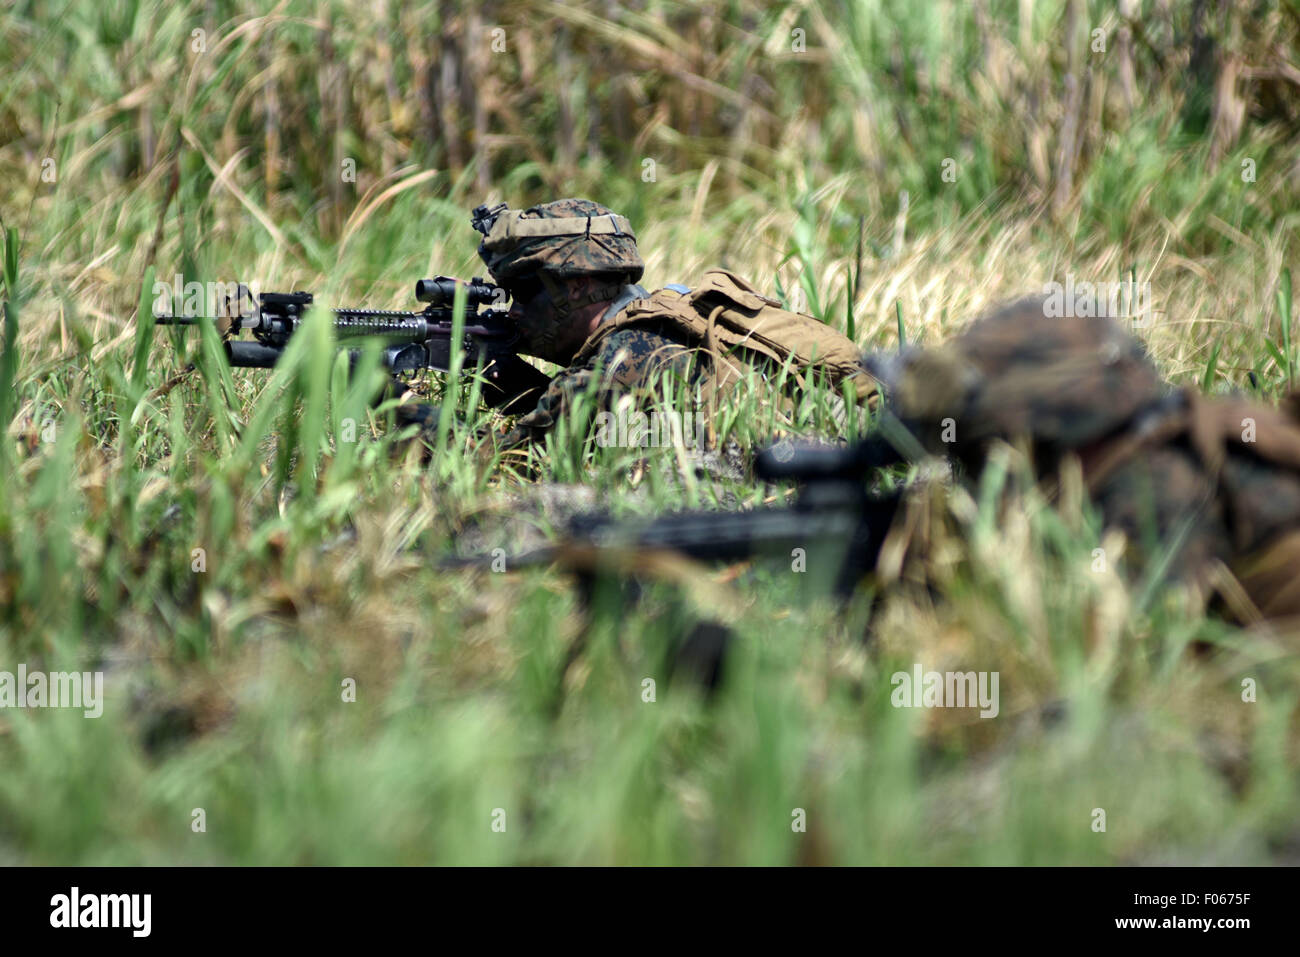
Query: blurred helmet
{"points": [[1062, 382], [560, 239]]}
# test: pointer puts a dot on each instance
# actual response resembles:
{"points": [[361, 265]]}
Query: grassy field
{"points": [[238, 569]]}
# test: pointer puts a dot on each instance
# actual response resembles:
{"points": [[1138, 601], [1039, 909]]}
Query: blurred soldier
{"points": [[1216, 481], [572, 269]]}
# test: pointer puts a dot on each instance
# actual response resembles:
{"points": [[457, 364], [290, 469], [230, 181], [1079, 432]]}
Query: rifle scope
{"points": [[441, 291]]}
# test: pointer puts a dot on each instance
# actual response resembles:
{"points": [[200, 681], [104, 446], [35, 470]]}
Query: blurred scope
{"points": [[809, 462]]}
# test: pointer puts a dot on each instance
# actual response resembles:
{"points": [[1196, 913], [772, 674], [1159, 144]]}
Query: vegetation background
{"points": [[891, 167]]}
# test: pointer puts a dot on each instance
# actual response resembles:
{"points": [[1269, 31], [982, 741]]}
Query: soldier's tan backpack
{"points": [[730, 320]]}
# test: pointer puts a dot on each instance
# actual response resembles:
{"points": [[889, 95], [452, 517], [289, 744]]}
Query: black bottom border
{"points": [[911, 905]]}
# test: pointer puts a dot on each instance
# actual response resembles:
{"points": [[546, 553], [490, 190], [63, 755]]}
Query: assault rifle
{"points": [[838, 522], [413, 341]]}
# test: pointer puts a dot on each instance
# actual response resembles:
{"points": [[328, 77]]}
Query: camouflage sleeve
{"points": [[627, 361]]}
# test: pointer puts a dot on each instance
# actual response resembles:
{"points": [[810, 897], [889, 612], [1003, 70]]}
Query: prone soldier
{"points": [[572, 268], [1214, 481]]}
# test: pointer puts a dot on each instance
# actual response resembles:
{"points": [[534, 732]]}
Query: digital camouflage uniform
{"points": [[624, 364], [704, 337], [1214, 480]]}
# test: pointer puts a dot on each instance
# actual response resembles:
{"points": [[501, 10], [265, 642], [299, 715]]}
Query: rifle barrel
{"points": [[244, 354]]}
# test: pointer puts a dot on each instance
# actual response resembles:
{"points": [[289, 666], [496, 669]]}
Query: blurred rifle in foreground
{"points": [[837, 522], [413, 341], [833, 532]]}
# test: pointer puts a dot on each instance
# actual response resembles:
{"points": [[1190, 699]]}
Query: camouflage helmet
{"points": [[560, 239]]}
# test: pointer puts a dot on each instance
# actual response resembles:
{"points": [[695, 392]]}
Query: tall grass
{"points": [[231, 546]]}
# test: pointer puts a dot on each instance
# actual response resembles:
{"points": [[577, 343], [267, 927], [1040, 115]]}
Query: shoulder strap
{"points": [[631, 292]]}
